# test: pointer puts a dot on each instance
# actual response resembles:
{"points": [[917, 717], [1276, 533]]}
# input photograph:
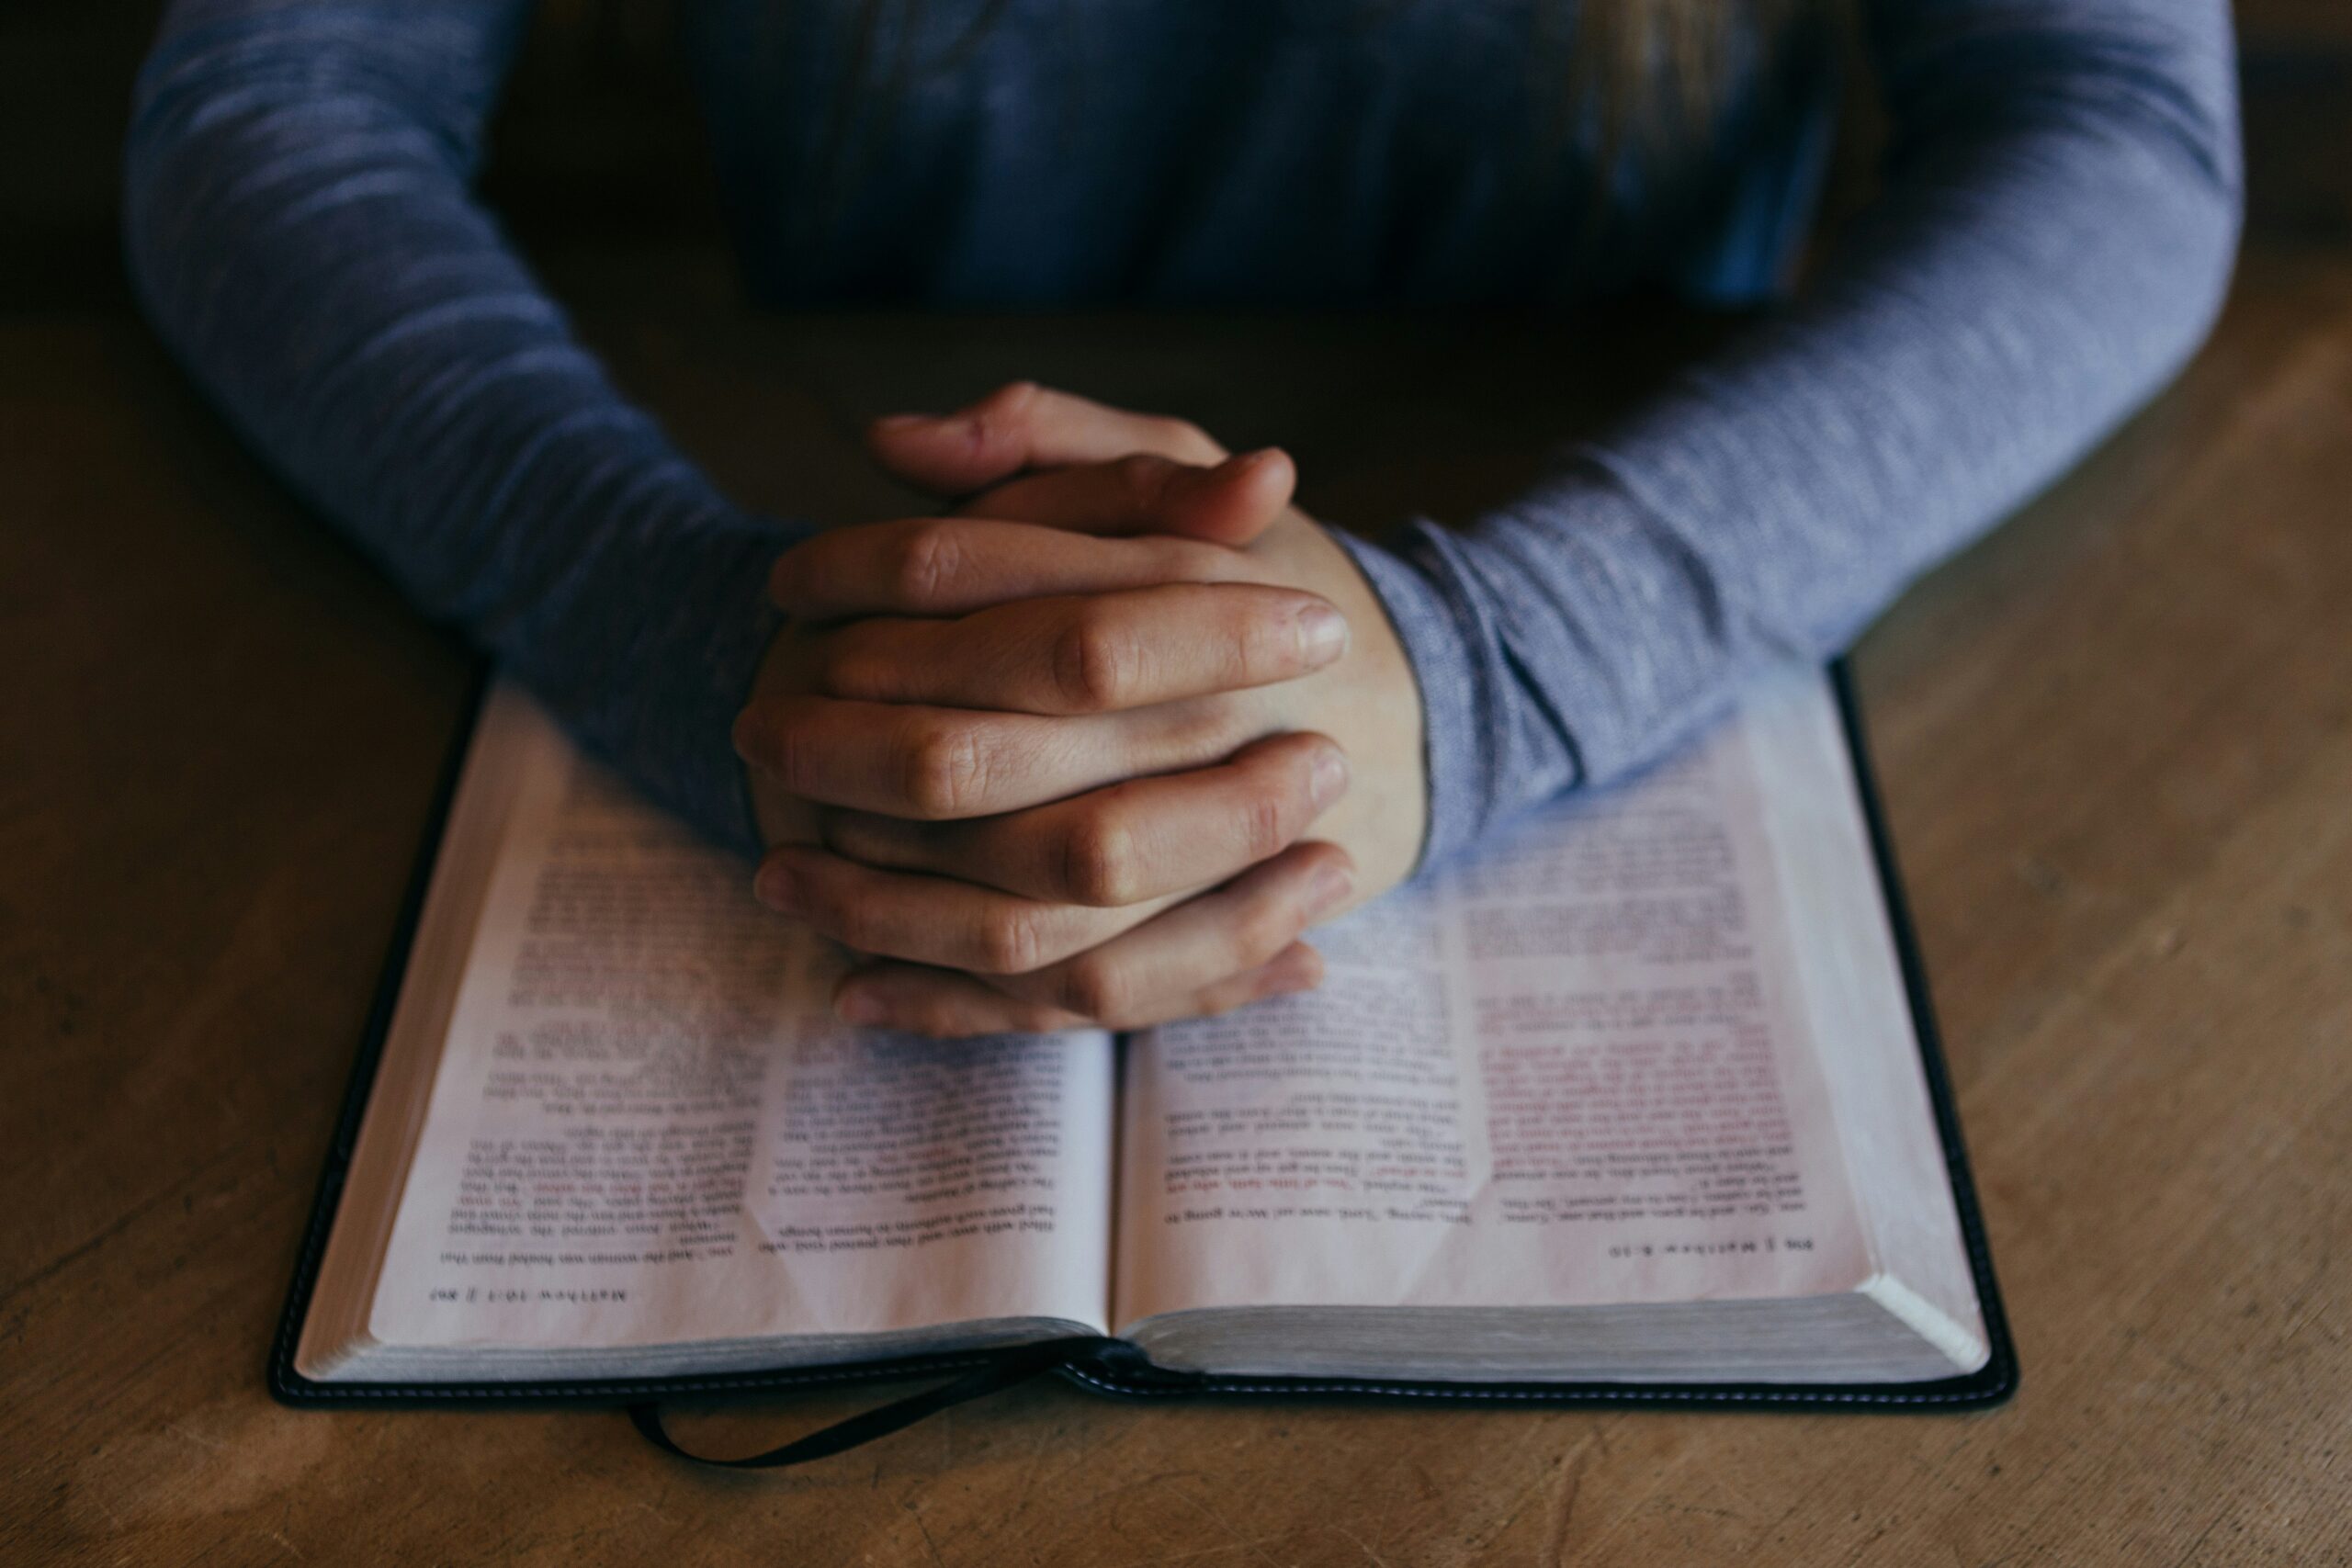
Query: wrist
{"points": [[1425, 630], [1372, 703]]}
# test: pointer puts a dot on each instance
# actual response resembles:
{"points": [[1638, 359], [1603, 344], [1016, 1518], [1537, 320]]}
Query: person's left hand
{"points": [[1367, 701]]}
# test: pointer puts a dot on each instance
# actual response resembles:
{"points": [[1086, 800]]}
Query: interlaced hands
{"points": [[1095, 746]]}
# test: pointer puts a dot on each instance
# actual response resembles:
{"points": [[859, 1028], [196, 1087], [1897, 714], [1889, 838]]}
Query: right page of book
{"points": [[1594, 1064]]}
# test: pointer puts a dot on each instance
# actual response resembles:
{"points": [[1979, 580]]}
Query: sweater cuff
{"points": [[684, 727], [654, 664], [1455, 686]]}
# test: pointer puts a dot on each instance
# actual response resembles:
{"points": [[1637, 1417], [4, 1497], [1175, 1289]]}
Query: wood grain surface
{"points": [[2117, 748]]}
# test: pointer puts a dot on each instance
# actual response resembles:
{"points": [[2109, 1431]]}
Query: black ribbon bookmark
{"points": [[1013, 1366]]}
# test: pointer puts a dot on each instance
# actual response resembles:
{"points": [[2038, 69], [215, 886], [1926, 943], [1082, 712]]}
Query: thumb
{"points": [[1231, 503], [1020, 427]]}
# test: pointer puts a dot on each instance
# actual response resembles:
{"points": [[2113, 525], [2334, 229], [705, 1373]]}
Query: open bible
{"points": [[1636, 1101]]}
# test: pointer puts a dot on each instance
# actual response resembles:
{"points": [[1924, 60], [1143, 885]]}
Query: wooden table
{"points": [[2117, 742]]}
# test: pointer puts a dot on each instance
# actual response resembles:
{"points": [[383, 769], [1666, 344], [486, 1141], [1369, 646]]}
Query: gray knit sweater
{"points": [[2058, 225]]}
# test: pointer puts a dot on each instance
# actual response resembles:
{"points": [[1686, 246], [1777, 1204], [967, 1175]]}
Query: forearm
{"points": [[300, 228], [2056, 237]]}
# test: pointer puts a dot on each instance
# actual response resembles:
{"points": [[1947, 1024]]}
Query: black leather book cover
{"points": [[1109, 1366]]}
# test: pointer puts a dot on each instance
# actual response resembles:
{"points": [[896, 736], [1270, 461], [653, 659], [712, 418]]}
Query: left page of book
{"points": [[647, 1134]]}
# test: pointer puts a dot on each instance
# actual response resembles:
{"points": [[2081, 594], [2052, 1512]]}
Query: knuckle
{"points": [[998, 419], [1099, 861], [1265, 825], [1096, 989], [1013, 941], [1142, 479], [928, 561], [1010, 400], [1266, 640], [1203, 729], [946, 770], [1263, 927], [1094, 663]]}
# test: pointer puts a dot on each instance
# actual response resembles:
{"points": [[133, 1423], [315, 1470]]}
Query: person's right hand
{"points": [[1075, 674]]}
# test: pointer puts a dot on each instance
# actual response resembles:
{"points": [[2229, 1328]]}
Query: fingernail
{"points": [[1330, 780], [1328, 890], [1259, 458], [778, 888], [1322, 634], [855, 1006]]}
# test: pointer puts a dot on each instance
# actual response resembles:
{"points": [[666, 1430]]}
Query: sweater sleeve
{"points": [[2057, 229], [300, 228]]}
